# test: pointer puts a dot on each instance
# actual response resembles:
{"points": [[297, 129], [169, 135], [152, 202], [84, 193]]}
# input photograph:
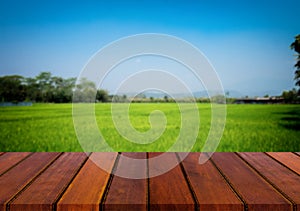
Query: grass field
{"points": [[49, 127]]}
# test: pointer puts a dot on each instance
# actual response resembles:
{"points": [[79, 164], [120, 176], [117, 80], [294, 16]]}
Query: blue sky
{"points": [[246, 41]]}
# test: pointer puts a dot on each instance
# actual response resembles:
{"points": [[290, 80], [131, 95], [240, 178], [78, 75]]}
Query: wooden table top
{"points": [[72, 181]]}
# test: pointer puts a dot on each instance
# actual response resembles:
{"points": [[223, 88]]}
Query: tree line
{"points": [[46, 88]]}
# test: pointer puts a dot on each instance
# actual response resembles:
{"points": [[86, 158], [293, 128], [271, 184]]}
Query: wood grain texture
{"points": [[281, 177], [17, 178], [125, 193], [255, 191], [211, 189], [169, 191], [228, 181], [45, 190], [289, 159], [8, 160], [87, 189]]}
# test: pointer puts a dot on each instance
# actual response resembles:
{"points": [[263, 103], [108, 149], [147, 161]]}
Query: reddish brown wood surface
{"points": [[289, 159], [255, 191], [128, 194], [211, 189], [16, 179], [71, 181], [87, 189], [168, 191], [8, 160], [285, 180], [45, 190]]}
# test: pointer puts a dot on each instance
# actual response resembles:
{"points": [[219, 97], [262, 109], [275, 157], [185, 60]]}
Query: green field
{"points": [[49, 127]]}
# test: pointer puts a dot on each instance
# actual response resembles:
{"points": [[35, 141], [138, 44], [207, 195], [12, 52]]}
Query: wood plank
{"points": [[126, 193], [10, 159], [45, 190], [211, 189], [87, 189], [169, 191], [1, 153], [298, 153], [281, 177], [255, 191], [288, 159], [17, 178]]}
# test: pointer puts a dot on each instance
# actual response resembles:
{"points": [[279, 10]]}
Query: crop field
{"points": [[49, 127]]}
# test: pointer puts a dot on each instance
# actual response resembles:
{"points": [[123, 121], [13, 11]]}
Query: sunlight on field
{"points": [[49, 127]]}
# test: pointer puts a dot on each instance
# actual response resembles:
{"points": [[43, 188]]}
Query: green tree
{"points": [[55, 89], [45, 88], [12, 88], [102, 95], [290, 96], [166, 98], [32, 90], [62, 89], [296, 46], [85, 91]]}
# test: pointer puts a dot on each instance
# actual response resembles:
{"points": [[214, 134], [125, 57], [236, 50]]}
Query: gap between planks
{"points": [[188, 185]]}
